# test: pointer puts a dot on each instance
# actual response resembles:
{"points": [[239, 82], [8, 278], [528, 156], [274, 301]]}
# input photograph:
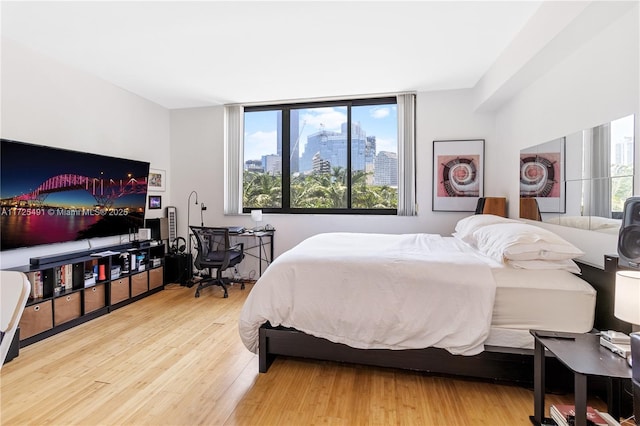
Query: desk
{"points": [[264, 238], [584, 356]]}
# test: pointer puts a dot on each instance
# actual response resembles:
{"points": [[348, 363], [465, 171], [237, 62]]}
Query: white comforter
{"points": [[377, 291]]}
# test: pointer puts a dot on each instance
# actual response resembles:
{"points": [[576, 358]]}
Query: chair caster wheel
{"points": [[226, 295], [197, 294]]}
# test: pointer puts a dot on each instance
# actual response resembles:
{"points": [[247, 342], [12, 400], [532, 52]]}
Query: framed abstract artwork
{"points": [[155, 202], [542, 175], [458, 174]]}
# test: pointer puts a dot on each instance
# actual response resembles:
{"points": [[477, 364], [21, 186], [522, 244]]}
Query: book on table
{"points": [[608, 418], [562, 414]]}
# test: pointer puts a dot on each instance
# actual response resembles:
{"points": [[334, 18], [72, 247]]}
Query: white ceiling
{"points": [[201, 53]]}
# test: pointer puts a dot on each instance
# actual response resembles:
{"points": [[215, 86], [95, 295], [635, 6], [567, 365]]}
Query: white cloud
{"points": [[383, 144], [380, 112], [260, 143], [261, 137], [331, 118]]}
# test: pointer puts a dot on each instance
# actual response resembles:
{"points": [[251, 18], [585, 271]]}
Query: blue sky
{"points": [[622, 128], [261, 127]]}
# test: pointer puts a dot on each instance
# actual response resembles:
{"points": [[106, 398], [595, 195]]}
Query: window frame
{"points": [[285, 109]]}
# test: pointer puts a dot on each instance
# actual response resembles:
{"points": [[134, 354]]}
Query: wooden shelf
{"points": [[60, 299]]}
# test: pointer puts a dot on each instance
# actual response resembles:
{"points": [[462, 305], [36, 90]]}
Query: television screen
{"points": [[50, 195]]}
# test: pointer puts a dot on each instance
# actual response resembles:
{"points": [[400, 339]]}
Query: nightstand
{"points": [[583, 355]]}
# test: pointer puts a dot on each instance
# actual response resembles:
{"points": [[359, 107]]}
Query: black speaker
{"points": [[178, 268], [629, 238]]}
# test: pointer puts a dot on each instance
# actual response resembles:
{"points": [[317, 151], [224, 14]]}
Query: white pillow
{"points": [[467, 226], [593, 223], [521, 241], [567, 265]]}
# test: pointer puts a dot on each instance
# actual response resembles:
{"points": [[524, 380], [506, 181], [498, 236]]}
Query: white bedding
{"points": [[412, 291]]}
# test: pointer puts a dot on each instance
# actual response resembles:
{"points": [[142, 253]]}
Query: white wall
{"points": [[47, 103], [595, 84], [198, 149]]}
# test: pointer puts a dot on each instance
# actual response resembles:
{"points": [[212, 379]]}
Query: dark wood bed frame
{"points": [[495, 363]]}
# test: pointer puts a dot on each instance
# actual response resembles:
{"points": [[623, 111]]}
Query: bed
{"points": [[456, 305]]}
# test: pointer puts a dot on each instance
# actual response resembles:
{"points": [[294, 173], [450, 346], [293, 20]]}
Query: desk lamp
{"points": [[256, 216], [627, 299]]}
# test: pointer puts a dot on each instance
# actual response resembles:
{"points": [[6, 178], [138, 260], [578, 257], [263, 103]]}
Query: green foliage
{"points": [[317, 191], [621, 187], [262, 190]]}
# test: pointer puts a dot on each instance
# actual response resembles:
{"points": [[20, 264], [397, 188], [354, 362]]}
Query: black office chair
{"points": [[215, 252]]}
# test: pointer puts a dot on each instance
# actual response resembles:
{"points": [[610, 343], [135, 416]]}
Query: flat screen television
{"points": [[51, 195]]}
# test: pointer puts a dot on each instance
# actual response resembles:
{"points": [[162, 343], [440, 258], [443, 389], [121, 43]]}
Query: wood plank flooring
{"points": [[172, 359]]}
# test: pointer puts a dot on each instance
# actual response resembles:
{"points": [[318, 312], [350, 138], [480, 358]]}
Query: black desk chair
{"points": [[215, 252]]}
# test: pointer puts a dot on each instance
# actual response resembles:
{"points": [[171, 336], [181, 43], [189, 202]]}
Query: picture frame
{"points": [[155, 202], [157, 180], [458, 174], [542, 175]]}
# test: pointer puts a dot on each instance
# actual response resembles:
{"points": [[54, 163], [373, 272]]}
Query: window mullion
{"points": [[348, 171]]}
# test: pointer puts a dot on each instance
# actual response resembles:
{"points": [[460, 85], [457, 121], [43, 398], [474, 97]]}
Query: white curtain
{"points": [[601, 170], [407, 154], [233, 153]]}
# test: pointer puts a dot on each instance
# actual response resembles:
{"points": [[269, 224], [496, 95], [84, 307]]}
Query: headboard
{"points": [[529, 209], [492, 205]]}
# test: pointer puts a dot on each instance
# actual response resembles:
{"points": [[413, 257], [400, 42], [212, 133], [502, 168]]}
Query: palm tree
{"points": [[262, 190], [320, 190]]}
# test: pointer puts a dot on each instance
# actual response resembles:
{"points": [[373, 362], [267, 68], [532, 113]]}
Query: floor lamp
{"points": [[189, 219]]}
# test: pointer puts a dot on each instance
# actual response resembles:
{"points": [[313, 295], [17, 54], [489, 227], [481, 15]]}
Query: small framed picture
{"points": [[155, 202], [157, 180]]}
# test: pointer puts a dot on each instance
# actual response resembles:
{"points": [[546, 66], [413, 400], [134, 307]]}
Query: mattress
{"points": [[538, 299]]}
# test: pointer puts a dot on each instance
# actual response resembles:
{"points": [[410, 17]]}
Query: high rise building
{"points": [[386, 169], [332, 146], [294, 132], [253, 166], [320, 165], [272, 164], [623, 151]]}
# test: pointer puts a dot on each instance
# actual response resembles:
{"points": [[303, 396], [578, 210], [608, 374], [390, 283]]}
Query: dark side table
{"points": [[584, 356]]}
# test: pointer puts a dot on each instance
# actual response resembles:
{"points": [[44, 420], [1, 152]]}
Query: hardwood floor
{"points": [[172, 359]]}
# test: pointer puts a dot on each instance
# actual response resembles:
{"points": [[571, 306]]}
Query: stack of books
{"points": [[564, 415], [37, 284]]}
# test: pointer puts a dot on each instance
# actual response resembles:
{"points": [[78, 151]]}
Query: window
{"points": [[324, 157], [262, 176], [621, 163]]}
